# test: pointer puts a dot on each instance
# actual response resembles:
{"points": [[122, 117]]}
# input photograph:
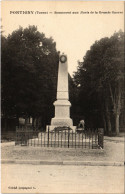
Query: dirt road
{"points": [[61, 179]]}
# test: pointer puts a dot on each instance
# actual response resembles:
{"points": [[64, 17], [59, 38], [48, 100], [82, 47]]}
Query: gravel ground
{"points": [[113, 151]]}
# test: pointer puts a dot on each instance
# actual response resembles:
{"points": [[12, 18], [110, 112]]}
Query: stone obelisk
{"points": [[62, 104]]}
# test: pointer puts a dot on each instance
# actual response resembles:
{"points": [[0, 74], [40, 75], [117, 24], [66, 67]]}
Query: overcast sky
{"points": [[73, 33]]}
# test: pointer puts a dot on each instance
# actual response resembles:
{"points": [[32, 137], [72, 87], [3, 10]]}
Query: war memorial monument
{"points": [[62, 104]]}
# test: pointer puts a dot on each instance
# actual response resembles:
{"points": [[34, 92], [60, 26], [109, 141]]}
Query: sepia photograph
{"points": [[62, 97]]}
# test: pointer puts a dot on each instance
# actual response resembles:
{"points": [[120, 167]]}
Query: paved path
{"points": [[61, 179]]}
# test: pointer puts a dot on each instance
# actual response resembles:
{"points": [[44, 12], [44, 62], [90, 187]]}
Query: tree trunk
{"points": [[108, 119], [33, 121], [104, 122], [116, 101], [117, 123], [5, 124], [109, 124]]}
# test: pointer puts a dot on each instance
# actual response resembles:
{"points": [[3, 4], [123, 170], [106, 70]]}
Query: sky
{"points": [[74, 33]]}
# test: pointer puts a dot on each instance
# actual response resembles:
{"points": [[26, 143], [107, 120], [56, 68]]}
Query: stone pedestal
{"points": [[62, 104], [62, 111]]}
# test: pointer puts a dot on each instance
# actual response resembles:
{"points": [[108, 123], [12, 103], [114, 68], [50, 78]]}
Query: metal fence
{"points": [[89, 138]]}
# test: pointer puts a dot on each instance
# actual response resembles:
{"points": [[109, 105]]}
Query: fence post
{"points": [[48, 136], [26, 132], [101, 137], [68, 137], [75, 139], [16, 136]]}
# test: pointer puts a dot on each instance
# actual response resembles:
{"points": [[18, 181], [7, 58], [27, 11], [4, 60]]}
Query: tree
{"points": [[73, 100], [100, 77], [114, 59], [29, 74]]}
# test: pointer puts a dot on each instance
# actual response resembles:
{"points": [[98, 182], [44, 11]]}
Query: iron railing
{"points": [[90, 138]]}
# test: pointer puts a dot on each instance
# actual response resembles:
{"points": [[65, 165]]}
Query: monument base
{"points": [[51, 127], [61, 121]]}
